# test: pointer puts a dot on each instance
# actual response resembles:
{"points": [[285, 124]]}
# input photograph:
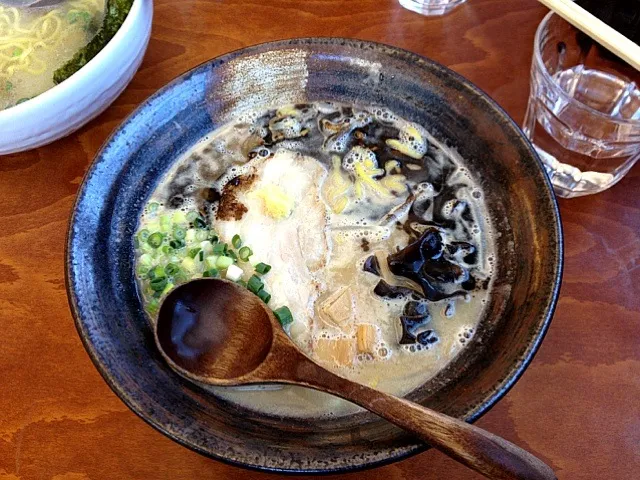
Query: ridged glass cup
{"points": [[431, 7], [583, 115]]}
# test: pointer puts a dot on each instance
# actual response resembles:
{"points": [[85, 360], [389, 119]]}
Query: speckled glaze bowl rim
{"points": [[520, 363]]}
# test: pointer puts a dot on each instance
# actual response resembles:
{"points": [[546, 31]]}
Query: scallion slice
{"points": [[143, 235], [155, 239], [156, 272], [262, 268], [233, 255], [192, 215], [236, 241], [194, 252], [283, 314], [211, 273], [224, 262], [171, 269], [244, 253], [176, 244], [158, 284], [179, 233], [255, 284], [264, 295], [219, 248]]}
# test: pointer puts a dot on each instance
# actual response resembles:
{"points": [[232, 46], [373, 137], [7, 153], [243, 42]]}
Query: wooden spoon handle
{"points": [[474, 447]]}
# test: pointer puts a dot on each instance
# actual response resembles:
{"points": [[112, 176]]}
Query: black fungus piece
{"points": [[411, 324], [372, 265], [176, 201], [413, 308], [423, 262], [427, 337], [467, 251], [444, 271], [407, 338], [469, 284], [383, 289]]}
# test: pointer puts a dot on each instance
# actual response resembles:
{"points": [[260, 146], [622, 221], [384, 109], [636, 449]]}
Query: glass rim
{"points": [[537, 56]]}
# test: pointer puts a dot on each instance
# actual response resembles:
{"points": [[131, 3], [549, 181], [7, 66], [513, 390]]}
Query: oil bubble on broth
{"points": [[368, 237]]}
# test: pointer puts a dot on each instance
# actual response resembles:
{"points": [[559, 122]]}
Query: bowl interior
{"points": [[102, 288]]}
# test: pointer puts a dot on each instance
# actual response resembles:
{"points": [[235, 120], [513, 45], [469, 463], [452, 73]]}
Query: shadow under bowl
{"points": [[100, 252]]}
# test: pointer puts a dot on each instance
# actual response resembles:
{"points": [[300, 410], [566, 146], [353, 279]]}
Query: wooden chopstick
{"points": [[602, 33]]}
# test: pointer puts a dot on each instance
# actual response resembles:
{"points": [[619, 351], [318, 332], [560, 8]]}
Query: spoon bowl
{"points": [[217, 332]]}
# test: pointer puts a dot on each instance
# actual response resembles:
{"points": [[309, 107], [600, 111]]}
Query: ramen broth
{"points": [[376, 236]]}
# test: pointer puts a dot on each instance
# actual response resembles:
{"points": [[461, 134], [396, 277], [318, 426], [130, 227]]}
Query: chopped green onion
{"points": [[179, 233], [201, 256], [220, 249], [242, 283], [153, 207], [165, 223], [193, 252], [167, 249], [142, 270], [179, 217], [145, 259], [264, 295], [283, 314], [156, 272], [262, 268], [210, 261], [244, 253], [17, 51], [171, 269], [212, 272], [236, 241], [158, 284], [206, 247], [213, 238], [176, 244], [192, 215], [255, 284], [143, 235], [233, 255], [189, 265], [153, 306], [8, 86], [180, 278], [201, 235], [191, 235], [199, 222], [168, 287], [224, 262], [155, 239]]}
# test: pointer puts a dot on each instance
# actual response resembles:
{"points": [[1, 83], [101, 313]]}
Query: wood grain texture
{"points": [[576, 406]]}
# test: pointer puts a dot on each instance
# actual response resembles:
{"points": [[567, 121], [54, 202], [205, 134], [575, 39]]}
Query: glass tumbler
{"points": [[583, 115], [431, 7]]}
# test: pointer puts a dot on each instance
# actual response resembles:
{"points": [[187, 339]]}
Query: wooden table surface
{"points": [[578, 404]]}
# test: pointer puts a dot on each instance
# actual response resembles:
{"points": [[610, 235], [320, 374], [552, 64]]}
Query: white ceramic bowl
{"points": [[69, 105]]}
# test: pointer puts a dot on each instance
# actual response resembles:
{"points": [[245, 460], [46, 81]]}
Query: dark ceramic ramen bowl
{"points": [[100, 255]]}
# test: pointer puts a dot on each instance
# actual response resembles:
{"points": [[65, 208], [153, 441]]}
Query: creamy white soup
{"points": [[367, 237]]}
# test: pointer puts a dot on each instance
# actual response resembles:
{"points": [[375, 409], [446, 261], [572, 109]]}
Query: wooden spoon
{"points": [[217, 332]]}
